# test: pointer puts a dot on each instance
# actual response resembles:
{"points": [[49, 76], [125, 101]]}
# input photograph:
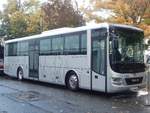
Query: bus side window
{"points": [[72, 44], [57, 45], [12, 49], [84, 43], [45, 46], [22, 48]]}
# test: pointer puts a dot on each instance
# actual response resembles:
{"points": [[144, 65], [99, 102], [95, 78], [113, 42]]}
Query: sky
{"points": [[2, 2]]}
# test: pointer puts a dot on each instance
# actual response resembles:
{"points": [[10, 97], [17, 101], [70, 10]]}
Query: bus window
{"points": [[22, 49], [72, 44], [83, 43], [57, 45], [98, 51], [12, 49], [45, 46]]}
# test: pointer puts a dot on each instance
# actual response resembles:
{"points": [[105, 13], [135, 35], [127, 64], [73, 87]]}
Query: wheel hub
{"points": [[73, 81], [20, 74]]}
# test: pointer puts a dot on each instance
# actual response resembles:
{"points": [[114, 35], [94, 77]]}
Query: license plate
{"points": [[134, 88], [135, 80]]}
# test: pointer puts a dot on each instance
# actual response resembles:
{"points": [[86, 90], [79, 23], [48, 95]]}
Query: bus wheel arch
{"points": [[20, 73], [72, 80]]}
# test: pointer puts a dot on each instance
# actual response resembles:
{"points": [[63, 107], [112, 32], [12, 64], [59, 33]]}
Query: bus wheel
{"points": [[20, 74], [73, 82]]}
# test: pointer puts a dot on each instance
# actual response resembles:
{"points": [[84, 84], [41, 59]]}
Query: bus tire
{"points": [[20, 73], [72, 81]]}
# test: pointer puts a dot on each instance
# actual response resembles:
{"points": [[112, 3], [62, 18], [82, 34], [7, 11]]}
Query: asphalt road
{"points": [[36, 97]]}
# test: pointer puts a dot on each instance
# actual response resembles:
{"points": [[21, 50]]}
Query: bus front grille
{"points": [[132, 81]]}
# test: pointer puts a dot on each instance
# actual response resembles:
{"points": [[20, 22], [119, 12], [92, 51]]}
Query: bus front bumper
{"points": [[135, 88], [124, 85]]}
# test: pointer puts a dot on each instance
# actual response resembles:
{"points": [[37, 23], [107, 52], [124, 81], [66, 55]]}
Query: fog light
{"points": [[117, 81]]}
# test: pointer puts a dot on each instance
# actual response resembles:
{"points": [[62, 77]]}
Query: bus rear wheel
{"points": [[20, 74], [73, 82]]}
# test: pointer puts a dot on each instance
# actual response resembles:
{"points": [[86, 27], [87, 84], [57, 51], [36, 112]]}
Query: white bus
{"points": [[103, 57]]}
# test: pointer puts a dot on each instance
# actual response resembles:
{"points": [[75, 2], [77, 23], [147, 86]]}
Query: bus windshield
{"points": [[126, 50]]}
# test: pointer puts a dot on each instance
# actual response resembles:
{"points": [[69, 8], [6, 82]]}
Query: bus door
{"points": [[98, 60], [34, 59]]}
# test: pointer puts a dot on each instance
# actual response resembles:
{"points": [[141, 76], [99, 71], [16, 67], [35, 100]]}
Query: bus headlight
{"points": [[117, 81]]}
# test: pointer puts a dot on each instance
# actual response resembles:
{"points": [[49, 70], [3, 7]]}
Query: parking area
{"points": [[36, 97]]}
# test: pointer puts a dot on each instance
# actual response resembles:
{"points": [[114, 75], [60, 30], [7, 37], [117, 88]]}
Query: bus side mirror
{"points": [[115, 43]]}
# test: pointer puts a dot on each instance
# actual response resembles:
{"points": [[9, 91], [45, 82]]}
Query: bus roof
{"points": [[66, 30]]}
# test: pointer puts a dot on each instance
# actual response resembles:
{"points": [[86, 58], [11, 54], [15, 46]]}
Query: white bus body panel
{"points": [[11, 65], [53, 69], [98, 82], [124, 87]]}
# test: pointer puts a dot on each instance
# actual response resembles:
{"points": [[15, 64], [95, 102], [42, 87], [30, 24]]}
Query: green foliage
{"points": [[130, 12], [20, 20], [30, 17], [18, 24], [147, 21], [60, 13]]}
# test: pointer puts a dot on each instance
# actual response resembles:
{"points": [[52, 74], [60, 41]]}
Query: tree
{"points": [[32, 10], [11, 7], [125, 11], [21, 19], [134, 12], [18, 25], [61, 13], [94, 7], [30, 17]]}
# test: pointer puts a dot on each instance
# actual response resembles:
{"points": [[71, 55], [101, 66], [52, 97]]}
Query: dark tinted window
{"points": [[84, 43], [126, 50], [57, 45], [22, 48], [76, 43], [12, 49], [45, 46], [72, 43], [67, 44]]}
